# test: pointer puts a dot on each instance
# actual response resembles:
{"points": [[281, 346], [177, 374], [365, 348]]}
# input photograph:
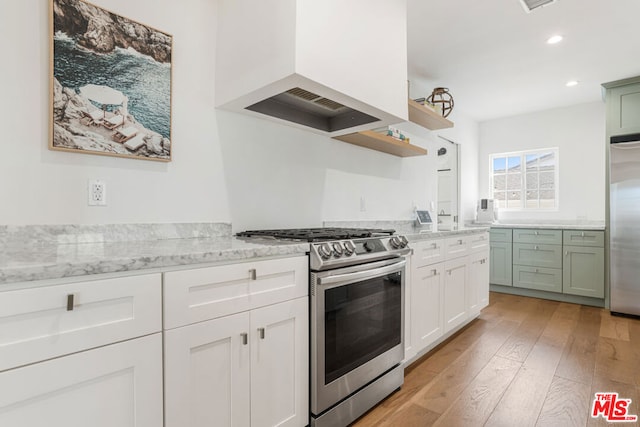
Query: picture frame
{"points": [[111, 83]]}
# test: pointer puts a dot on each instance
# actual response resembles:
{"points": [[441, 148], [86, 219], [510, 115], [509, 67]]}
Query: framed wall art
{"points": [[110, 83]]}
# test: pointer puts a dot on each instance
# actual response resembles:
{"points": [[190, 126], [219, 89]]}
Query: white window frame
{"points": [[523, 154]]}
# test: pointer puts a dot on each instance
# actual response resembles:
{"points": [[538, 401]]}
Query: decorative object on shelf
{"points": [[394, 132], [441, 97], [110, 83]]}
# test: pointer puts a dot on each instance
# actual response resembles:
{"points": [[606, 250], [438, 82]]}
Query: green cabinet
{"points": [[569, 262], [623, 107], [500, 264], [583, 266]]}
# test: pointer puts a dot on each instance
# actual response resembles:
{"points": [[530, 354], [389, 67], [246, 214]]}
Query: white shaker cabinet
{"points": [[427, 301], [116, 385], [248, 368], [82, 353]]}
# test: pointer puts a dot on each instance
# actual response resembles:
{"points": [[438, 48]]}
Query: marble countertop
{"points": [[551, 226], [56, 252], [70, 253]]}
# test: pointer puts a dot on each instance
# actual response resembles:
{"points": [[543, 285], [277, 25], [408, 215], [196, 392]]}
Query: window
{"points": [[525, 180]]}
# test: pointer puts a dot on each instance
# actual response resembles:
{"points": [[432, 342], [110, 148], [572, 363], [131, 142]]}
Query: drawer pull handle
{"points": [[566, 253], [536, 233], [70, 302], [460, 241], [252, 274], [245, 338], [535, 248], [434, 245], [582, 234], [536, 270], [261, 332], [434, 272]]}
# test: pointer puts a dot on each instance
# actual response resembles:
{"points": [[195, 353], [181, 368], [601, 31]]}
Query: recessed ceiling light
{"points": [[572, 83], [554, 39]]}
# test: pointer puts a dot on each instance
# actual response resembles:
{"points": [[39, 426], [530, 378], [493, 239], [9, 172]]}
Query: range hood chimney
{"points": [[330, 66]]}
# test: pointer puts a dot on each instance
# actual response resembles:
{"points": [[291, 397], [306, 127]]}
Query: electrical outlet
{"points": [[97, 193]]}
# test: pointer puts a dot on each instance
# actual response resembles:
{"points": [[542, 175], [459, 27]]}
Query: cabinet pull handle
{"points": [[261, 332], [434, 272], [535, 232], [566, 253], [245, 339], [582, 234], [252, 274], [536, 270], [434, 245], [70, 302], [535, 248]]}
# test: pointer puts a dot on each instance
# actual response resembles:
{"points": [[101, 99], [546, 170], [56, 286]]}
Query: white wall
{"points": [[579, 133], [225, 167], [40, 186]]}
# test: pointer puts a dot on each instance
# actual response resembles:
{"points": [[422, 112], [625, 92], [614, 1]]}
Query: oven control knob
{"points": [[337, 249], [403, 241], [324, 250], [368, 246], [395, 242], [349, 248]]}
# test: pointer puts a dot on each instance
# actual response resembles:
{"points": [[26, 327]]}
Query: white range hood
{"points": [[330, 66]]}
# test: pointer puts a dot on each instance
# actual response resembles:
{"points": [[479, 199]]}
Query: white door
{"points": [[280, 364], [426, 304], [455, 301], [207, 373], [116, 385]]}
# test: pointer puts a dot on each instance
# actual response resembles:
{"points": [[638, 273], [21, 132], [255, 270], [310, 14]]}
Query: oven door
{"points": [[357, 323]]}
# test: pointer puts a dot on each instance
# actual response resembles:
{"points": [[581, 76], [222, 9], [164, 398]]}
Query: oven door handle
{"points": [[361, 275]]}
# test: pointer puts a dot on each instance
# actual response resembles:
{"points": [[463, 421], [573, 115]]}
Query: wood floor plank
{"points": [[616, 360], [579, 358], [567, 404], [614, 326], [518, 346], [446, 387], [524, 398], [477, 401]]}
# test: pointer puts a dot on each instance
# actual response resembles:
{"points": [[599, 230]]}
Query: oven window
{"points": [[362, 321]]}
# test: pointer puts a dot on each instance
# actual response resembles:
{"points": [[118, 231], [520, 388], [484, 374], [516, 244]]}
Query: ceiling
{"points": [[494, 58]]}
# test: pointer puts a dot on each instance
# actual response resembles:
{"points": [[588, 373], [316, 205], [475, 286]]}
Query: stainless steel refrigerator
{"points": [[624, 215]]}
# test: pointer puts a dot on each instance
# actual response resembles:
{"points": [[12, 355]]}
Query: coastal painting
{"points": [[111, 84]]}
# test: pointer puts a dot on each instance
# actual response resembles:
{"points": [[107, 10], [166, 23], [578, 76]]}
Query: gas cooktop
{"points": [[317, 234]]}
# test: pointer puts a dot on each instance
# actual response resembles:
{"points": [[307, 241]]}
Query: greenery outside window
{"points": [[525, 180]]}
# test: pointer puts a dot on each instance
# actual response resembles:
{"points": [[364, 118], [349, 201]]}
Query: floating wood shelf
{"points": [[384, 143], [426, 117]]}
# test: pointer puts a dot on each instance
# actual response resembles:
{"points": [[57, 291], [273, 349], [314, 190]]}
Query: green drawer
{"points": [[583, 238], [527, 235], [500, 235], [537, 255], [542, 279]]}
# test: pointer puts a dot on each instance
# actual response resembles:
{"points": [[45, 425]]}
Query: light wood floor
{"points": [[523, 362]]}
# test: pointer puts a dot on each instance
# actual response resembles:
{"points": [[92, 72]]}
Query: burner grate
{"points": [[317, 234]]}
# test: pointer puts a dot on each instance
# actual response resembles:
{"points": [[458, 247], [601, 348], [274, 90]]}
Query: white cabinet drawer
{"points": [[478, 242], [427, 252], [196, 295], [456, 246], [37, 323]]}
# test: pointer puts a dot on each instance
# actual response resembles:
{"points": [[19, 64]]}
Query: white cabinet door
{"points": [[426, 305], [116, 385], [207, 373], [478, 282], [280, 364], [455, 300]]}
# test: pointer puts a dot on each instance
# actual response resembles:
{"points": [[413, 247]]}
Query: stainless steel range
{"points": [[357, 279]]}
